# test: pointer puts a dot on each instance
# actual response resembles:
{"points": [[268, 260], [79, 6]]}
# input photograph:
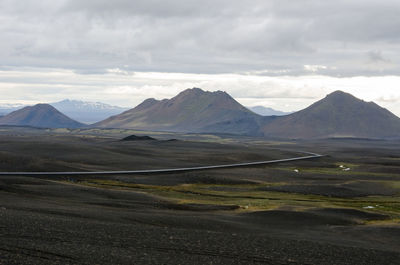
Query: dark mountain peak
{"points": [[339, 95], [150, 101], [43, 106], [222, 94], [337, 101], [147, 103], [191, 91], [40, 108], [195, 92], [39, 115], [339, 114]]}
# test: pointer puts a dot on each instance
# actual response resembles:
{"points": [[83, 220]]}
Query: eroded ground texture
{"points": [[340, 209]]}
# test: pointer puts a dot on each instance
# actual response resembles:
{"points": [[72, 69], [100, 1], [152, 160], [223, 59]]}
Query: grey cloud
{"points": [[376, 56], [167, 9], [209, 36]]}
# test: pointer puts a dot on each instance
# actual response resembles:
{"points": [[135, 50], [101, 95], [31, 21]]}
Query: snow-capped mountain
{"points": [[87, 112]]}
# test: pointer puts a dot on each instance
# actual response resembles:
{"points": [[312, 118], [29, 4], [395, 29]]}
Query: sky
{"points": [[282, 54]]}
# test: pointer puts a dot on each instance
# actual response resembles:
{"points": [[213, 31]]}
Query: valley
{"points": [[338, 209]]}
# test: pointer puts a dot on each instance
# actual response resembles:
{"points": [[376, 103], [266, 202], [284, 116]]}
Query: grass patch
{"points": [[249, 197], [336, 171]]}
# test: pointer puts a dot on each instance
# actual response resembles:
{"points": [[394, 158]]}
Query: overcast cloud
{"points": [[285, 39], [346, 38]]}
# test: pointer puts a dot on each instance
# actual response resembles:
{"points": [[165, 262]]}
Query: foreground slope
{"points": [[339, 114], [193, 110], [250, 215], [40, 115]]}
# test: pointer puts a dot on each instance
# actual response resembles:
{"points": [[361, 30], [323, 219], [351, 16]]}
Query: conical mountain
{"points": [[40, 115], [339, 114], [192, 110]]}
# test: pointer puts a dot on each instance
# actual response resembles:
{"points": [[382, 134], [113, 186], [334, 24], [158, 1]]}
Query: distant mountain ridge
{"points": [[339, 114], [40, 115], [265, 111], [86, 111], [192, 110]]}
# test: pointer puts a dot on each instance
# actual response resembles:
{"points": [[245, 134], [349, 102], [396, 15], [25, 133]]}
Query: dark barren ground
{"points": [[321, 214]]}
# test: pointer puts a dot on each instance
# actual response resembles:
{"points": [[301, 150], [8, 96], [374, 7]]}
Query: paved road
{"points": [[167, 170]]}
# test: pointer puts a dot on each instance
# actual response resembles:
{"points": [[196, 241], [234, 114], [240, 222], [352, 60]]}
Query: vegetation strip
{"points": [[156, 171], [255, 200]]}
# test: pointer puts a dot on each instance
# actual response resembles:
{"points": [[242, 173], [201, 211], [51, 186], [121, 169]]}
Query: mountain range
{"points": [[339, 114]]}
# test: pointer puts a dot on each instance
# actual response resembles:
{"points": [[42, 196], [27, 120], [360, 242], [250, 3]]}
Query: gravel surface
{"points": [[45, 222]]}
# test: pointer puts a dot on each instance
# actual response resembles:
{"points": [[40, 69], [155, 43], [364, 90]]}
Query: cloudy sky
{"points": [[283, 54]]}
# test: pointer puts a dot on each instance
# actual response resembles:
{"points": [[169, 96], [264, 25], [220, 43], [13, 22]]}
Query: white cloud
{"points": [[314, 68], [286, 93]]}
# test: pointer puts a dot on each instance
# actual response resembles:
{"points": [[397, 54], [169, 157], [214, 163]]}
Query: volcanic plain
{"points": [[343, 208]]}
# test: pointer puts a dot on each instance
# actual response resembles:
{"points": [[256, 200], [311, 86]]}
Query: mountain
{"points": [[87, 112], [339, 114], [264, 111], [192, 110], [40, 115]]}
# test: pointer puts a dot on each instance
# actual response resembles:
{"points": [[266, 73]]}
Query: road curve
{"points": [[168, 170]]}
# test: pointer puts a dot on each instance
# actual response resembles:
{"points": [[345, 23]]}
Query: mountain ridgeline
{"points": [[40, 115], [192, 110], [339, 114], [264, 111]]}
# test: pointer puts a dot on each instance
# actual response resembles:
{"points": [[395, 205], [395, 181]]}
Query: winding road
{"points": [[167, 170]]}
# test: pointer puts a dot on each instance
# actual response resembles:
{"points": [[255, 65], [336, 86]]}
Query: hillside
{"points": [[40, 115], [339, 114], [192, 110]]}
